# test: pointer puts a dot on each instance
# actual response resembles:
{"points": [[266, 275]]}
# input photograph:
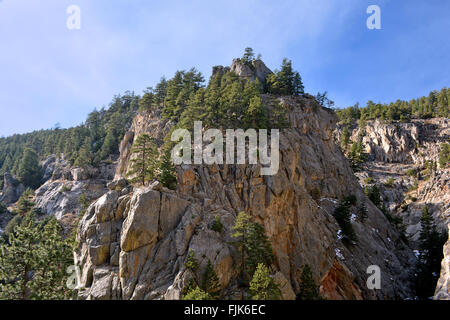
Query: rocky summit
{"points": [[133, 243]]}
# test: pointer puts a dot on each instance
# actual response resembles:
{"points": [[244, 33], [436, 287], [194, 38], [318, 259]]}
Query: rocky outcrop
{"points": [[12, 189], [134, 245], [255, 70], [397, 149], [443, 285], [60, 194]]}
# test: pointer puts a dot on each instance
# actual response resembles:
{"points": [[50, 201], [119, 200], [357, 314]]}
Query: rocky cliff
{"points": [[407, 154], [134, 241]]}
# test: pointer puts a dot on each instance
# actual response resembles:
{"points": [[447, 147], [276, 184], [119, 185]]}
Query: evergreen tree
{"points": [[33, 262], [444, 155], [256, 115], [29, 172], [248, 56], [147, 100], [308, 287], [253, 244], [263, 286], [167, 172], [144, 161], [373, 193], [85, 155], [258, 247], [286, 81], [191, 261], [196, 294], [25, 203], [240, 229], [431, 254], [345, 138], [211, 282], [160, 92]]}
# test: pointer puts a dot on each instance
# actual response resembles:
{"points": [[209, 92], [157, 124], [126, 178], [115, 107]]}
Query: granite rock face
{"points": [[12, 189], [60, 194], [395, 150], [134, 245]]}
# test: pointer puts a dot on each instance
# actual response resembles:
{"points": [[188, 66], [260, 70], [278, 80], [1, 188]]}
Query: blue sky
{"points": [[50, 74]]}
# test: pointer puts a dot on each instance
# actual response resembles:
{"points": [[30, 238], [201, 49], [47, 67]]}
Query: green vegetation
{"points": [[342, 214], [217, 225], [431, 254], [191, 261], [444, 155], [414, 186], [29, 171], [390, 182], [33, 261], [369, 180], [211, 282], [196, 294], [286, 81], [345, 138], [95, 140], [256, 255], [373, 193], [253, 244], [167, 174], [411, 173], [309, 290], [436, 104], [323, 100], [357, 155], [25, 203], [263, 286], [144, 161]]}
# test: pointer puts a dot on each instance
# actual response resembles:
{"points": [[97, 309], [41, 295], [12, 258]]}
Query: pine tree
{"points": [[286, 81], [444, 155], [29, 172], [144, 163], [345, 139], [253, 244], [256, 115], [55, 255], [167, 172], [25, 203], [263, 286], [33, 262], [211, 282], [160, 92], [431, 254], [240, 229], [258, 247], [308, 287], [147, 100], [191, 261], [248, 56], [85, 155], [196, 294]]}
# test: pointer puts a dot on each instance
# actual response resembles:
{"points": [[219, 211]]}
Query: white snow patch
{"points": [[339, 254], [339, 234]]}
